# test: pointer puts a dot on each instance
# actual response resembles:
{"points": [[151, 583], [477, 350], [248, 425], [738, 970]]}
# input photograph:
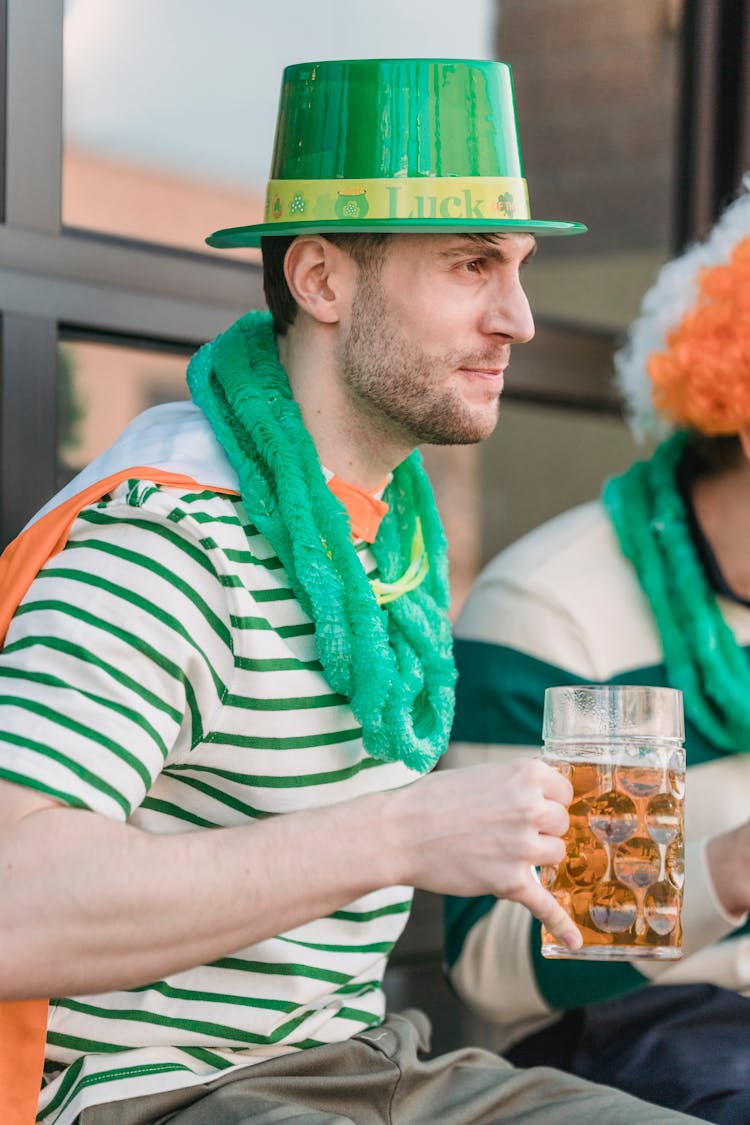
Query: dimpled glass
{"points": [[622, 877]]}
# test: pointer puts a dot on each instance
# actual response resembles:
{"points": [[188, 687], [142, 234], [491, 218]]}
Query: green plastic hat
{"points": [[417, 145]]}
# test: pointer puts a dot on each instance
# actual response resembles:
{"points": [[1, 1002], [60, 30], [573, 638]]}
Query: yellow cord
{"points": [[413, 576]]}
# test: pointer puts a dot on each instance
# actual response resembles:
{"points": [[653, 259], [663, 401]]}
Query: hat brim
{"points": [[233, 237]]}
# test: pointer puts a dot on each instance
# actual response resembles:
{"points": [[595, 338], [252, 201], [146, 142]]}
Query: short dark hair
{"points": [[712, 456], [367, 250]]}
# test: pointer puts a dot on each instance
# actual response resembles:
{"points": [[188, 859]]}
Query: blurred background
{"points": [[130, 129]]}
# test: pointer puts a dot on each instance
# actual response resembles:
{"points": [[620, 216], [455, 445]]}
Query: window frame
{"points": [[56, 280]]}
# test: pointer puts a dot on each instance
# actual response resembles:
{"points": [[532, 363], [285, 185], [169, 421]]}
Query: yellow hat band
{"points": [[426, 197]]}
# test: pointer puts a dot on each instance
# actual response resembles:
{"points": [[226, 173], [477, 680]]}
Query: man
{"points": [[649, 585], [237, 628]]}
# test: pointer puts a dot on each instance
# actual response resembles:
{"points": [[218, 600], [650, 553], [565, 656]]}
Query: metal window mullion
{"points": [[731, 143], [33, 138], [28, 418], [107, 309], [696, 126], [3, 58], [713, 121], [113, 266]]}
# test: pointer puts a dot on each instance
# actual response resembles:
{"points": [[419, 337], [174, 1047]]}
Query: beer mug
{"points": [[621, 880]]}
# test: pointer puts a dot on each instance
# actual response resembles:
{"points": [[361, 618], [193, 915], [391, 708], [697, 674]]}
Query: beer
{"points": [[622, 876]]}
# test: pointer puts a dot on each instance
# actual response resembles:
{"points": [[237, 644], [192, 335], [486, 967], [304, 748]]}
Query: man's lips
{"points": [[492, 376]]}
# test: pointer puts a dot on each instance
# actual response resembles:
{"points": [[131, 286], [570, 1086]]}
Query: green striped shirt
{"points": [[160, 671]]}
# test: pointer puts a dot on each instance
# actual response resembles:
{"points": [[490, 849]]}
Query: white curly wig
{"points": [[673, 294]]}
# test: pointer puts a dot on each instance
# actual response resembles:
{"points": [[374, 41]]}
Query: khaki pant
{"points": [[377, 1077]]}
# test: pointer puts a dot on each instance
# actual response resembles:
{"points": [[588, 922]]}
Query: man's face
{"points": [[430, 335]]}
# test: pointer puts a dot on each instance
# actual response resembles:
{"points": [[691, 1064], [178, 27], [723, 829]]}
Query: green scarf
{"points": [[395, 666], [701, 655]]}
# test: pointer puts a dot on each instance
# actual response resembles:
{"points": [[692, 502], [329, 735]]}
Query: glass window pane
{"points": [[101, 388], [170, 105], [597, 91]]}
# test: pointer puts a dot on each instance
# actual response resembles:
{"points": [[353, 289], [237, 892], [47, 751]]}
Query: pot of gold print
{"points": [[621, 747]]}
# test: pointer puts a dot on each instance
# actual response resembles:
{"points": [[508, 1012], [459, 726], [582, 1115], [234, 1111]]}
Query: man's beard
{"points": [[401, 388]]}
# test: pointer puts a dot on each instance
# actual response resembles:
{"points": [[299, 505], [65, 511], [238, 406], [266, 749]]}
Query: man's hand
{"points": [[481, 830], [729, 863]]}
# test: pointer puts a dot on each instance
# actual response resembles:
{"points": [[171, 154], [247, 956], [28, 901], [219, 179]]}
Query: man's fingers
{"points": [[554, 819], [547, 909], [555, 786], [548, 851]]}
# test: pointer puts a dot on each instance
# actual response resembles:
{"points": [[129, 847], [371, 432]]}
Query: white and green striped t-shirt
{"points": [[160, 671]]}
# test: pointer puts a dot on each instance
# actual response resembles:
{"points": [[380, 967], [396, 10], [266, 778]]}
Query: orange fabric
{"points": [[23, 1034], [365, 510], [23, 1023], [29, 551]]}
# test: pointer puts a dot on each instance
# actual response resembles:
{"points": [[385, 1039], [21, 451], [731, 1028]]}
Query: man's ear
{"points": [[320, 277], [744, 436]]}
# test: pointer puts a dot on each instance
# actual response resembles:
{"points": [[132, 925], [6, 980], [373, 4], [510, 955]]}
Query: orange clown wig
{"points": [[686, 361]]}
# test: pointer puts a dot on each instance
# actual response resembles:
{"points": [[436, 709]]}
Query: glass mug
{"points": [[621, 880]]}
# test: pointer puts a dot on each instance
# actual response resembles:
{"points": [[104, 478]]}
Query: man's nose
{"points": [[509, 314]]}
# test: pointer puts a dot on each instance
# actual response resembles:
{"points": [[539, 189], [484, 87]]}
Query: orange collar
{"points": [[365, 509]]}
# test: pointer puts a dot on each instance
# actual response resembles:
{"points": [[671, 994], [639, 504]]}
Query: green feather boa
{"points": [[395, 666], [701, 654]]}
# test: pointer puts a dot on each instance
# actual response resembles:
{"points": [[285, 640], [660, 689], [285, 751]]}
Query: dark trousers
{"points": [[682, 1046]]}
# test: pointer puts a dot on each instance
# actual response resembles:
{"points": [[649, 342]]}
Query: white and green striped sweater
{"points": [[564, 606], [160, 671]]}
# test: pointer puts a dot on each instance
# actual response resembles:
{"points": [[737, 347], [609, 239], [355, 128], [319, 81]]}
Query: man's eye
{"points": [[475, 265]]}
